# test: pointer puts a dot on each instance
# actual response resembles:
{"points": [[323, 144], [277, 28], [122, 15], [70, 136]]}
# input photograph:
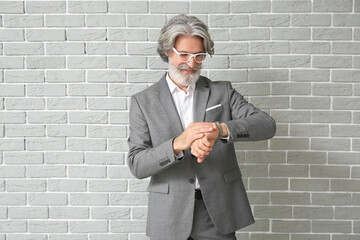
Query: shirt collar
{"points": [[173, 86]]}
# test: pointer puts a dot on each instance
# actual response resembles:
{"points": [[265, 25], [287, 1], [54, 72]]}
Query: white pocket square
{"points": [[213, 107]]}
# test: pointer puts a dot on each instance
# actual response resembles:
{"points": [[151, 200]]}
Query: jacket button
{"points": [[191, 180]]}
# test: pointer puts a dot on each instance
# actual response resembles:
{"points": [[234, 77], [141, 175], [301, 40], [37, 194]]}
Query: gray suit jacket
{"points": [[154, 123]]}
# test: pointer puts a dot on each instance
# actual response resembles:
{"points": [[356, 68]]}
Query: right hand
{"points": [[194, 131]]}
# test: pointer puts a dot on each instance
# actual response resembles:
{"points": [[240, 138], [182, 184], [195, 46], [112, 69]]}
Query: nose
{"points": [[191, 63]]}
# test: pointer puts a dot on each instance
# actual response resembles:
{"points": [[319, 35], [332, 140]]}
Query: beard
{"points": [[181, 78]]}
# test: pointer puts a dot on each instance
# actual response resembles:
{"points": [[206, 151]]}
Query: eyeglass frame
{"points": [[191, 56]]}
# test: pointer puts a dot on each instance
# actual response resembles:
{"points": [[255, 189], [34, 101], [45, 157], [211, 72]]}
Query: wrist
{"points": [[224, 130], [175, 146], [219, 127]]}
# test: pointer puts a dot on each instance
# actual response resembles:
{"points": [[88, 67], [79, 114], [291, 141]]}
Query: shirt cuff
{"points": [[179, 156], [228, 136]]}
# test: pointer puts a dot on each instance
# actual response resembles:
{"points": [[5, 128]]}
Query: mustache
{"points": [[186, 67]]}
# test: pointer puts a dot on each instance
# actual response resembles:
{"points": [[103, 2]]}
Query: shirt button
{"points": [[191, 180]]}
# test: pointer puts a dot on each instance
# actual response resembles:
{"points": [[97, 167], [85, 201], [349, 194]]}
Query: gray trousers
{"points": [[203, 228]]}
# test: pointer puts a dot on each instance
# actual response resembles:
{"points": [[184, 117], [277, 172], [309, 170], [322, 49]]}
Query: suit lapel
{"points": [[200, 100], [168, 104]]}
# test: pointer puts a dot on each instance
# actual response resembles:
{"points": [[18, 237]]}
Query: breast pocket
{"points": [[213, 114], [158, 187]]}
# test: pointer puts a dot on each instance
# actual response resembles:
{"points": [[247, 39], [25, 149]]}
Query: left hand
{"points": [[202, 147]]}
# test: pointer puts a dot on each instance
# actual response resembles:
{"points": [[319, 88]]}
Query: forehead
{"points": [[189, 44]]}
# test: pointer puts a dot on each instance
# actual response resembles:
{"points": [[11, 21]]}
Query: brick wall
{"points": [[67, 70]]}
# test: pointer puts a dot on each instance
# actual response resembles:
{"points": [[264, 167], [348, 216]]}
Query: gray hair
{"points": [[183, 25]]}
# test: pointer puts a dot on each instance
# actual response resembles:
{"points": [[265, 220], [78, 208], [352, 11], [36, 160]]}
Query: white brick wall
{"points": [[68, 68]]}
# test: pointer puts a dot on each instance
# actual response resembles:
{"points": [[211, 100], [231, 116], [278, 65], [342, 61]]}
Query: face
{"points": [[185, 73]]}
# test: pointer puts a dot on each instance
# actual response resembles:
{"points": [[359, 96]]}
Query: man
{"points": [[182, 131]]}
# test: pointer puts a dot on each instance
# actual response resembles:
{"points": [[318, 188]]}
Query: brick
{"points": [[119, 118], [310, 20], [333, 144], [261, 225], [128, 199], [230, 49], [65, 103], [108, 185], [169, 7], [144, 76], [142, 48], [138, 185], [317, 171], [45, 62], [295, 157], [265, 157], [78, 34], [313, 212], [345, 185], [107, 103], [11, 62], [284, 6], [24, 76], [23, 48], [268, 184], [331, 117], [87, 6], [331, 198], [272, 236], [28, 212], [351, 213], [310, 102], [268, 75], [21, 158], [25, 130], [86, 62], [243, 34], [131, 34], [12, 90], [88, 226], [219, 34], [46, 117], [332, 34], [291, 116], [127, 62], [309, 130], [65, 48], [11, 34], [290, 198], [46, 171], [157, 63], [25, 104], [23, 21], [88, 199], [309, 75], [289, 144], [67, 236], [45, 199], [65, 130], [272, 212], [106, 131], [37, 144], [288, 171], [112, 236], [332, 5], [44, 35], [11, 7], [345, 130], [88, 117], [345, 237], [12, 172], [269, 47], [25, 236], [146, 20], [290, 226], [46, 7], [251, 146], [67, 157], [309, 185], [87, 89], [85, 144], [346, 103], [290, 34], [65, 76], [123, 226], [357, 6], [105, 20], [267, 20], [216, 62], [128, 7], [291, 89], [347, 20], [12, 117], [343, 158], [208, 7], [270, 102], [332, 89], [64, 185], [64, 20], [283, 61], [233, 76], [50, 90], [47, 226], [139, 213], [250, 61], [105, 48], [228, 20], [102, 76], [310, 47], [346, 48], [25, 185], [331, 226], [253, 89], [250, 6], [69, 212], [120, 172], [12, 226]]}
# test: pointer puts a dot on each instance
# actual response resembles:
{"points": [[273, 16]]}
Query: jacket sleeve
{"points": [[144, 159], [248, 122]]}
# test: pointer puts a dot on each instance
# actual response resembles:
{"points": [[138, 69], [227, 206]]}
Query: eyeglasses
{"points": [[185, 57]]}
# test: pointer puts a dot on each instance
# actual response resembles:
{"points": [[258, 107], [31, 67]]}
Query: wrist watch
{"points": [[219, 127]]}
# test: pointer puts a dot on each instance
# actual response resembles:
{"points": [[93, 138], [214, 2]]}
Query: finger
{"points": [[200, 159], [197, 151], [204, 147]]}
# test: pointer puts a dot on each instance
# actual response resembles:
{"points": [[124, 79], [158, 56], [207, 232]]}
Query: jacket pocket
{"points": [[232, 175], [214, 110], [158, 187]]}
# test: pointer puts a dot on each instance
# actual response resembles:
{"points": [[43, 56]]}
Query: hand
{"points": [[192, 132], [202, 147]]}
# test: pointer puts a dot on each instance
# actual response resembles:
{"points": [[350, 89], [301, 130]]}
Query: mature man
{"points": [[182, 131]]}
